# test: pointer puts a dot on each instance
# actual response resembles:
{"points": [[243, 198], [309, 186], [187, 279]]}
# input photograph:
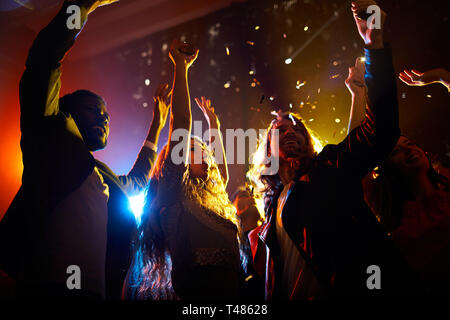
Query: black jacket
{"points": [[327, 218]]}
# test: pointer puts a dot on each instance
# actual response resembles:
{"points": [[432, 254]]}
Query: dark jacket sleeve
{"points": [[136, 180], [41, 81], [368, 144]]}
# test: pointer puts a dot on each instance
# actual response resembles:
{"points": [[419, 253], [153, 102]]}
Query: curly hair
{"points": [[152, 261]]}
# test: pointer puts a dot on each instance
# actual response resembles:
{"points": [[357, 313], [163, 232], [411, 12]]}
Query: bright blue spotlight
{"points": [[136, 204]]}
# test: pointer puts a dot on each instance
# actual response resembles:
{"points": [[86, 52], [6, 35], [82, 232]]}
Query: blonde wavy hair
{"points": [[152, 266]]}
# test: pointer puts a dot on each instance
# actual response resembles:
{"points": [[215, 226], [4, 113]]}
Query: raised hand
{"points": [[417, 78], [162, 104], [91, 5], [182, 54], [208, 111], [372, 36], [355, 81]]}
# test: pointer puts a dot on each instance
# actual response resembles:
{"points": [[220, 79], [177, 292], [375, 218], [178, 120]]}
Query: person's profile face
{"points": [[407, 157], [92, 120]]}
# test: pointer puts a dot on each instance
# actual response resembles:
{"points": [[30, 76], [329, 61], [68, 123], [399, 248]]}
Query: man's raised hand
{"points": [[371, 30]]}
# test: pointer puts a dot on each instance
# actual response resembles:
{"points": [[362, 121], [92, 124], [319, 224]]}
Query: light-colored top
{"points": [[76, 235], [297, 280]]}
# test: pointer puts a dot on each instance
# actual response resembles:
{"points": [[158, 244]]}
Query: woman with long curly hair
{"points": [[189, 241]]}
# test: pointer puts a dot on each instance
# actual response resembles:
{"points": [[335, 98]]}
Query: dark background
{"points": [[418, 32]]}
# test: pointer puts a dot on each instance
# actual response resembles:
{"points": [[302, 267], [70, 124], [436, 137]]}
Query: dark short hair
{"points": [[70, 100]]}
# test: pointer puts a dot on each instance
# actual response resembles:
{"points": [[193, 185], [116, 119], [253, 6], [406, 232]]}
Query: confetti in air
{"points": [[227, 50], [288, 61], [300, 84], [293, 120]]}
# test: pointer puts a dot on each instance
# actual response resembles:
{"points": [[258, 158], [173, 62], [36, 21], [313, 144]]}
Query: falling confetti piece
{"points": [[318, 90], [428, 95], [313, 107], [147, 82], [363, 59], [251, 72], [251, 43], [311, 120], [257, 28], [300, 84], [253, 84], [237, 89], [335, 63], [337, 120], [403, 95], [288, 61], [284, 35], [305, 28], [274, 113], [292, 118], [290, 105], [271, 98], [227, 50], [335, 76], [145, 104], [227, 85]]}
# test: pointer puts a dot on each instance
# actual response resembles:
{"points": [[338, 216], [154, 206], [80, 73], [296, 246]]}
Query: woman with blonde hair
{"points": [[189, 239]]}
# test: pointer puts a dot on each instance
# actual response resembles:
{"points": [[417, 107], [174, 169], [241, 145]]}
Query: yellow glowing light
{"points": [[257, 28], [337, 120], [227, 85], [288, 61], [227, 50], [305, 28]]}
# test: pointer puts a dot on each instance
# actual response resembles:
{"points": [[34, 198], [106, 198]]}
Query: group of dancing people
{"points": [[331, 226]]}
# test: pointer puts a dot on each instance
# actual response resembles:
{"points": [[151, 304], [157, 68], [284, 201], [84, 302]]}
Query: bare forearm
{"points": [[223, 166], [181, 107]]}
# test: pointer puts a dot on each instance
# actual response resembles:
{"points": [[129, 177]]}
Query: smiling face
{"points": [[294, 141], [408, 158], [93, 121]]}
